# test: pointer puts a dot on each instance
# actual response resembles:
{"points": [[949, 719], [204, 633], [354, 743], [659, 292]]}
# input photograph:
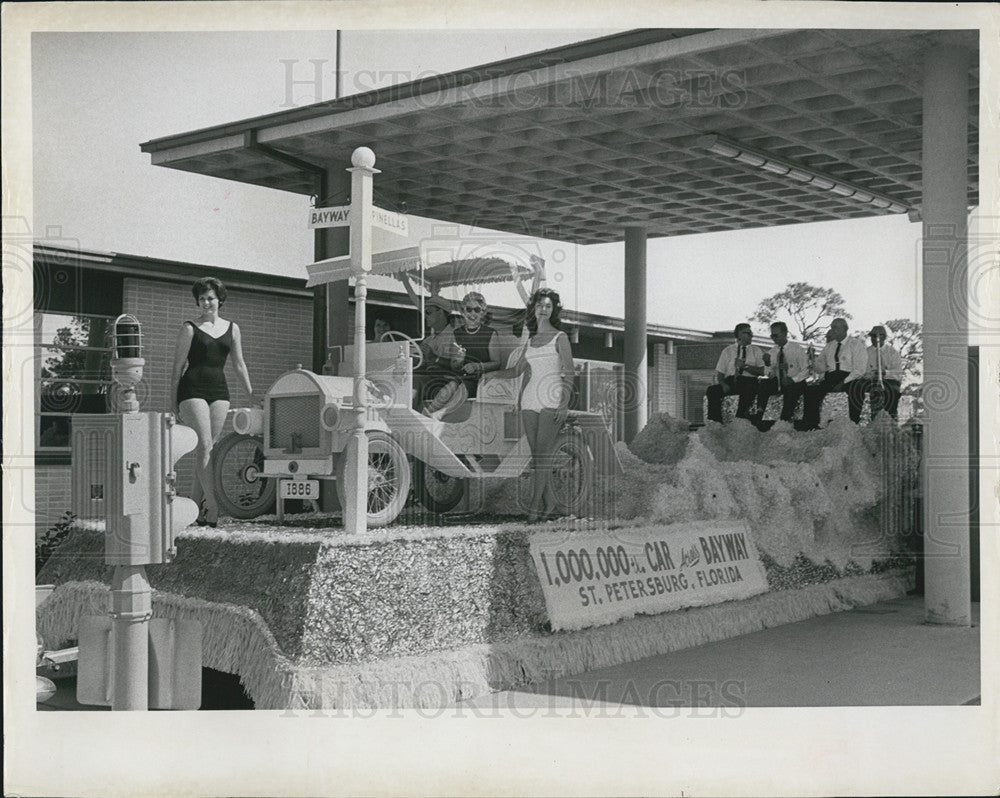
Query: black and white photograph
{"points": [[539, 400]]}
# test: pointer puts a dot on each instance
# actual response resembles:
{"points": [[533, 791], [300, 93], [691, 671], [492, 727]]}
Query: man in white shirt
{"points": [[739, 366], [844, 362], [786, 374], [884, 374]]}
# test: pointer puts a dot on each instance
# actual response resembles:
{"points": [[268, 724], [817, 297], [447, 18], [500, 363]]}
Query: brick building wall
{"points": [[52, 495]]}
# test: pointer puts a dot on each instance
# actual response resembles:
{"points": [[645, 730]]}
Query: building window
{"points": [[692, 391], [599, 386], [72, 372]]}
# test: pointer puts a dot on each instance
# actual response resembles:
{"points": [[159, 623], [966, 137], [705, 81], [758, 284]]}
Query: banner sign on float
{"points": [[602, 576]]}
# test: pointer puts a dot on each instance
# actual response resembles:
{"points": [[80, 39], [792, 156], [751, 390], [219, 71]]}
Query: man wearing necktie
{"points": [[739, 366], [845, 362], [789, 368], [884, 374]]}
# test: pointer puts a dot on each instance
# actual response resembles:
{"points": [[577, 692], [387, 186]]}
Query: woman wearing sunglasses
{"points": [[545, 398], [477, 350]]}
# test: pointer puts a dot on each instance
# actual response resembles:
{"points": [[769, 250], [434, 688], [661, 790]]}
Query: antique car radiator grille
{"points": [[296, 416]]}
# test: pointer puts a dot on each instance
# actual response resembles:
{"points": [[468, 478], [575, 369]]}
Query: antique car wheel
{"points": [[438, 492], [572, 473], [388, 479], [240, 486]]}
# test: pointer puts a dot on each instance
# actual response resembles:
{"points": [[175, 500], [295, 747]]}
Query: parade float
{"points": [[705, 535], [679, 539]]}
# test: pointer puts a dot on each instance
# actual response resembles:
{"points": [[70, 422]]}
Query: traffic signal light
{"points": [[124, 473], [177, 512]]}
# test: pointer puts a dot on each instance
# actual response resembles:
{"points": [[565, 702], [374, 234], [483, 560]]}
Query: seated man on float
{"points": [[844, 361], [739, 366], [438, 344], [817, 368], [787, 371], [884, 374]]}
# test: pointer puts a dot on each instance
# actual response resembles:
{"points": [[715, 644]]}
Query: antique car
{"points": [[300, 434]]}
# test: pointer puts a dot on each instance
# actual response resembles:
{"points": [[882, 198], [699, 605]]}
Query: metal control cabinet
{"points": [[123, 474]]}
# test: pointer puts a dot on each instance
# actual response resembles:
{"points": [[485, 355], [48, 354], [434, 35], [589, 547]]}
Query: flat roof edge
{"points": [[458, 78]]}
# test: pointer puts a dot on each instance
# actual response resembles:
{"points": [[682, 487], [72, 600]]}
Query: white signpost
{"points": [[358, 264], [356, 452]]}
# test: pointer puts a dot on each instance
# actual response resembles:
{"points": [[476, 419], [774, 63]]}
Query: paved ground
{"points": [[881, 655]]}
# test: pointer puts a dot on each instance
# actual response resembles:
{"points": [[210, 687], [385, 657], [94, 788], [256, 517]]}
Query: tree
{"points": [[806, 309], [907, 338], [66, 363], [64, 360]]}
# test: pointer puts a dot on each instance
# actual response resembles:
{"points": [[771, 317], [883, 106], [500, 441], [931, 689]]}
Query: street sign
{"points": [[337, 216], [390, 221], [340, 216]]}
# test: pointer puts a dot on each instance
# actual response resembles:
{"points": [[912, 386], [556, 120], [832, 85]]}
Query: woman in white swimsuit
{"points": [[545, 398]]}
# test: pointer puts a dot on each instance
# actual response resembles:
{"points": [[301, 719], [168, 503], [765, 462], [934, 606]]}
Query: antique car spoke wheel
{"points": [[240, 487], [438, 492], [388, 479]]}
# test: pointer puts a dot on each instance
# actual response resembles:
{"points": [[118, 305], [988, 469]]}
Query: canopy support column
{"points": [[945, 469], [635, 331], [331, 301]]}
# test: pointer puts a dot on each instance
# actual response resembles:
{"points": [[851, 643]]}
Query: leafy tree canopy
{"points": [[806, 309], [906, 337]]}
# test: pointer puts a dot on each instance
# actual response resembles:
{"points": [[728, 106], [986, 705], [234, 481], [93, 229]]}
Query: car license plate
{"points": [[299, 489]]}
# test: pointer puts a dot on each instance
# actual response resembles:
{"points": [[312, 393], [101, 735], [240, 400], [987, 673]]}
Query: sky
{"points": [[97, 96]]}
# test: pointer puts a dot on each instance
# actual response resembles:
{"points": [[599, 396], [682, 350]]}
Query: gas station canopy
{"points": [[675, 131]]}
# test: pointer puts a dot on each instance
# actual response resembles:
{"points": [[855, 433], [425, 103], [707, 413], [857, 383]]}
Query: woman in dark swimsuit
{"points": [[199, 383]]}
